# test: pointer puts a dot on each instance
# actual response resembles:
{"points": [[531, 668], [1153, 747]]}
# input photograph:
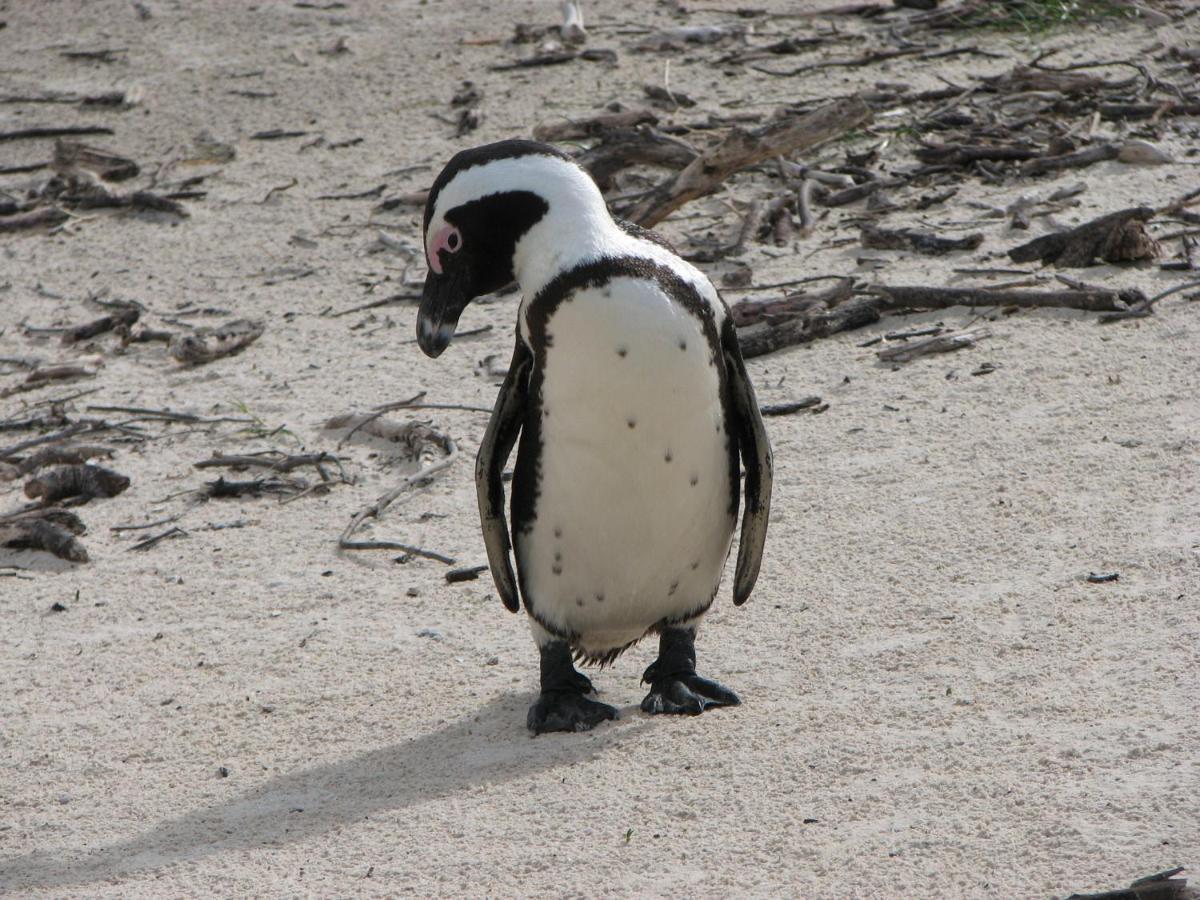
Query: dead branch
{"points": [[208, 344], [742, 148], [1159, 886], [676, 38], [255, 488], [41, 534], [277, 462], [376, 509], [763, 338], [942, 343], [1116, 237], [124, 318], [786, 409], [595, 126], [154, 541], [965, 154], [876, 238], [72, 156], [40, 377], [751, 312], [52, 131], [918, 297], [1077, 160], [43, 217], [56, 456], [619, 149], [78, 483], [1117, 111]]}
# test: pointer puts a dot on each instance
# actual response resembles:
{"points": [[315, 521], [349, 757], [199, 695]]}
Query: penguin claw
{"points": [[686, 694], [567, 711]]}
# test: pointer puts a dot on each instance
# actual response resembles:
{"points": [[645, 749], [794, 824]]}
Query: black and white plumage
{"points": [[633, 411]]}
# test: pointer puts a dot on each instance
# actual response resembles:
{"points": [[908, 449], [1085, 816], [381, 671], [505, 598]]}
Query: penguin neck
{"points": [[577, 228]]}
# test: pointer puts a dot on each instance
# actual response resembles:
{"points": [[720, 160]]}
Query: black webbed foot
{"points": [[570, 711], [674, 685], [562, 705]]}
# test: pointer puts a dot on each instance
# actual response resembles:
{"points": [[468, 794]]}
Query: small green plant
{"points": [[1037, 16], [628, 834], [258, 428]]}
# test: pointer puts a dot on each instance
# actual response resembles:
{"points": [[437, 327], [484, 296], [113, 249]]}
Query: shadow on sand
{"points": [[491, 746]]}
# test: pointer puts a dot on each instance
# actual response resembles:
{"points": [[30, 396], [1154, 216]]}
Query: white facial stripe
{"points": [[553, 179]]}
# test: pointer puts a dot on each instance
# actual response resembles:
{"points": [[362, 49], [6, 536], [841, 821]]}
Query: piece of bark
{"points": [[621, 148], [875, 238], [41, 534], [144, 334], [413, 198], [274, 461], [1027, 78], [918, 297], [674, 99], [79, 483], [757, 340], [123, 318], [860, 191], [41, 377], [256, 488], [1116, 237], [63, 131], [208, 344], [1116, 111], [942, 343], [576, 129], [43, 217], [751, 312], [55, 515], [965, 154], [676, 38], [56, 456], [741, 149], [1078, 160], [71, 156], [1159, 886], [786, 409], [96, 197]]}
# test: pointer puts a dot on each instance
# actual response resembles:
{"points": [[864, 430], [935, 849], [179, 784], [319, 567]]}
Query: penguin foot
{"points": [[562, 705], [686, 694], [567, 711], [675, 688]]}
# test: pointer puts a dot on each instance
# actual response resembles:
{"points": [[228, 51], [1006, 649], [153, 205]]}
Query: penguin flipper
{"points": [[755, 449], [494, 450]]}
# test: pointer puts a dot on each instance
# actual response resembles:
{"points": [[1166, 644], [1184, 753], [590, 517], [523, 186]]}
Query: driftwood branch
{"points": [[376, 509], [42, 534], [741, 149], [208, 344], [763, 338], [79, 483], [876, 238], [942, 343], [906, 297], [1117, 237]]}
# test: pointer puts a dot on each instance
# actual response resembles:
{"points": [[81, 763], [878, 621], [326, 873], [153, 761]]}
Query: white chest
{"points": [[633, 519]]}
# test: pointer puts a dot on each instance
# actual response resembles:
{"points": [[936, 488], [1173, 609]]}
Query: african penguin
{"points": [[633, 412]]}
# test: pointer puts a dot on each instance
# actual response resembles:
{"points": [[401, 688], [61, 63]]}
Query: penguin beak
{"points": [[442, 302]]}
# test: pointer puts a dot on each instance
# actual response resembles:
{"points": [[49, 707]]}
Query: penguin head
{"points": [[481, 209]]}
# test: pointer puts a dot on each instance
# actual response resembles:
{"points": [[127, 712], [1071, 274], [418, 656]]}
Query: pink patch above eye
{"points": [[448, 239]]}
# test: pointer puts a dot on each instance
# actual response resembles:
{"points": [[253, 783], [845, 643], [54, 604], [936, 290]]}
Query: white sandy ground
{"points": [[936, 703]]}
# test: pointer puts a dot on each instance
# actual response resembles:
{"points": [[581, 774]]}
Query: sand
{"points": [[936, 702]]}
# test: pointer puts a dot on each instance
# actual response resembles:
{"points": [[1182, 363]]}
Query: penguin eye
{"points": [[448, 240]]}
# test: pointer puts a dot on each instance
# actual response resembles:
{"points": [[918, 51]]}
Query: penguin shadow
{"points": [[490, 746]]}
